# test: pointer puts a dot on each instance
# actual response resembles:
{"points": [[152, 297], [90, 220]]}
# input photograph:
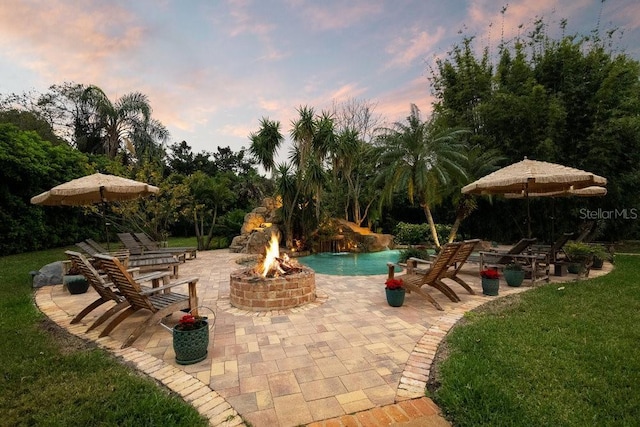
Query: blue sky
{"points": [[213, 69]]}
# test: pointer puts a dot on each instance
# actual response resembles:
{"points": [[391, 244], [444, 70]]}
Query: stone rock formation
{"points": [[351, 238], [257, 228]]}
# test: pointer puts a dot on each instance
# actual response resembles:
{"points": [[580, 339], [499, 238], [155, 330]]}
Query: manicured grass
{"points": [[559, 355], [51, 379]]}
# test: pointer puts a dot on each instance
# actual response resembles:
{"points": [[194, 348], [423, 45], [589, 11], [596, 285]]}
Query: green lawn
{"points": [[559, 355], [52, 379]]}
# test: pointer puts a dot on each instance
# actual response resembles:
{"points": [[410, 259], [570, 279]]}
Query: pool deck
{"points": [[348, 359]]}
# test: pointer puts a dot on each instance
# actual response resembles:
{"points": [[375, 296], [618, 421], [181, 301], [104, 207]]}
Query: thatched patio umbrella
{"points": [[593, 191], [531, 177], [94, 189]]}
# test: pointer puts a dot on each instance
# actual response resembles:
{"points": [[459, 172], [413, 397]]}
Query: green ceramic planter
{"points": [[75, 283], [574, 267], [191, 346], [395, 297], [490, 286], [514, 277]]}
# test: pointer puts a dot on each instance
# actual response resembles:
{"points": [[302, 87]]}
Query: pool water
{"points": [[351, 264]]}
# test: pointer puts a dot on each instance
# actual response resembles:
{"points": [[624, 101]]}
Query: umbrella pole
{"points": [[104, 216], [106, 226], [528, 216]]}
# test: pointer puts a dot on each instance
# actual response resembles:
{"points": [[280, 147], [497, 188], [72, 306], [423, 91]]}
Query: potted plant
{"points": [[191, 339], [600, 256], [75, 282], [513, 274], [582, 255], [490, 281], [395, 292]]}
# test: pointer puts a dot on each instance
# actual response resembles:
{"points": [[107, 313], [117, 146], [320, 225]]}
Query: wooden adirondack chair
{"points": [[105, 290], [413, 280], [160, 301], [458, 260]]}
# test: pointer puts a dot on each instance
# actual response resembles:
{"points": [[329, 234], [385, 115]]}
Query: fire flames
{"points": [[273, 264]]}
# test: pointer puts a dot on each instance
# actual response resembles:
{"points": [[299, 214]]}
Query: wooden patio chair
{"points": [[501, 258], [91, 247], [145, 262], [138, 249], [159, 301], [555, 250], [413, 280], [129, 242], [152, 245], [105, 290], [457, 261], [536, 265]]}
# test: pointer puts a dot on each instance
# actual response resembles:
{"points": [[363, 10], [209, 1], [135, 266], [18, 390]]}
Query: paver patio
{"points": [[347, 353]]}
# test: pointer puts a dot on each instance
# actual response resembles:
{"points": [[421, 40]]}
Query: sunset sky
{"points": [[212, 69]]}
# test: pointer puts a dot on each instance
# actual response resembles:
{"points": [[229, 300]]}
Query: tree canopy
{"points": [[573, 101]]}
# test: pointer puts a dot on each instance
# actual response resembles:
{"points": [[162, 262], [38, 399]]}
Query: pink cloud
{"points": [[323, 16], [405, 50], [347, 92], [490, 25], [67, 40], [628, 14], [396, 105], [244, 22]]}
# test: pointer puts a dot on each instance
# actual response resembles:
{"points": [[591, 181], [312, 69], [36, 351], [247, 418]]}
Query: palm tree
{"points": [[289, 189], [313, 138], [423, 159], [128, 118], [480, 162], [266, 142], [353, 161], [302, 132]]}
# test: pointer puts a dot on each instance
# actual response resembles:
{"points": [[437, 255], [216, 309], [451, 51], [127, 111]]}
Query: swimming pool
{"points": [[351, 264]]}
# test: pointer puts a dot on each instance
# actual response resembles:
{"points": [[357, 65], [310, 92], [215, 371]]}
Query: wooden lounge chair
{"points": [[151, 245], [159, 301], [457, 261], [136, 248], [498, 258], [145, 262], [129, 242], [105, 290], [89, 247], [536, 265], [555, 251], [413, 280]]}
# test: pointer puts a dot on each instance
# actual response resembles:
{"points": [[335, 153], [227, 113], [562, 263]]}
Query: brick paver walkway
{"points": [[348, 359]]}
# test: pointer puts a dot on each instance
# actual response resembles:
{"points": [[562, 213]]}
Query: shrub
{"points": [[415, 234], [411, 234], [405, 254]]}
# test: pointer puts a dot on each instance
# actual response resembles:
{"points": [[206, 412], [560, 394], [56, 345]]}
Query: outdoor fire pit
{"points": [[275, 283]]}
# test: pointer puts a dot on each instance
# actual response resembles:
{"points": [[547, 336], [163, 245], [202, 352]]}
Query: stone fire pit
{"points": [[253, 292]]}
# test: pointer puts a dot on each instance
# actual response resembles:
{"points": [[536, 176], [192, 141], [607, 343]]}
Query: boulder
{"points": [[252, 221], [50, 274], [259, 240], [271, 203], [239, 243]]}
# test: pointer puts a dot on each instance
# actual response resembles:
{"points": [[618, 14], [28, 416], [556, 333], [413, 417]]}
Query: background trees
{"points": [[573, 101]]}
